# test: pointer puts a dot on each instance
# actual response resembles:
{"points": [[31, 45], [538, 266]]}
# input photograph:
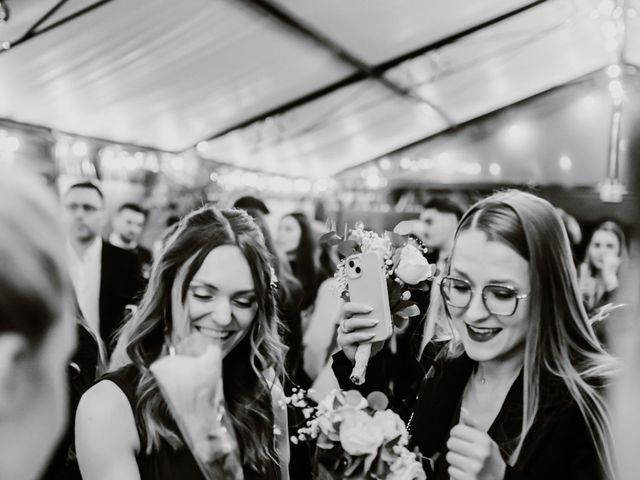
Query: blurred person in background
{"points": [[251, 203], [128, 225], [37, 331], [106, 278], [439, 217], [599, 272], [626, 340], [296, 238]]}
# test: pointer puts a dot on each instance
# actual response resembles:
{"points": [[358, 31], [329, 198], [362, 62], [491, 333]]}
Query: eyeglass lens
{"points": [[499, 300]]}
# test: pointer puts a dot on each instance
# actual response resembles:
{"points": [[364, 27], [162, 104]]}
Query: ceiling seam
{"points": [[582, 78], [360, 75]]}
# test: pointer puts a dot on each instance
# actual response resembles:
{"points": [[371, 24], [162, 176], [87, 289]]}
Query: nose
{"points": [[477, 311], [221, 313]]}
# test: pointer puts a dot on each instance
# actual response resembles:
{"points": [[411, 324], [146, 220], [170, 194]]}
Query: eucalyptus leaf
{"points": [[330, 238], [348, 248]]}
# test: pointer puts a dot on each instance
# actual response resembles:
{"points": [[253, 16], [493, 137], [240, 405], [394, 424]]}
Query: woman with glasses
{"points": [[517, 391]]}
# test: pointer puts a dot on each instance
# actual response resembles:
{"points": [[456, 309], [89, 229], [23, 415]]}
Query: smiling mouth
{"points": [[213, 334], [479, 334]]}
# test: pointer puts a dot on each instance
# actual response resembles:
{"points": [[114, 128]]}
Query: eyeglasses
{"points": [[498, 299]]}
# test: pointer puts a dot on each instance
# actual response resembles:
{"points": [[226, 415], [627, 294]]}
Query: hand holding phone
{"points": [[367, 285]]}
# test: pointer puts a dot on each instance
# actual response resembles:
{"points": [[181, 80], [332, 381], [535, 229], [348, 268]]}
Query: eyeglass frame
{"points": [[518, 297]]}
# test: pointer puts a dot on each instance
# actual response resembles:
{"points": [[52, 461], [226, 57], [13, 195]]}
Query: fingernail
{"points": [[373, 322], [369, 309]]}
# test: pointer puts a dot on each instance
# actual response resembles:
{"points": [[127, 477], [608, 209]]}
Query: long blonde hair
{"points": [[246, 389], [560, 341]]}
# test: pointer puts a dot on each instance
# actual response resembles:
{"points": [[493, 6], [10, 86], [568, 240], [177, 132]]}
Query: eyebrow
{"points": [[493, 281], [210, 286]]}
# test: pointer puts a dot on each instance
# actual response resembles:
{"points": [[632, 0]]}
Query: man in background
{"points": [[439, 219], [105, 278], [128, 224]]}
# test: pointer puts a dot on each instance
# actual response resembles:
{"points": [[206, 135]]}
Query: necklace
{"points": [[483, 380]]}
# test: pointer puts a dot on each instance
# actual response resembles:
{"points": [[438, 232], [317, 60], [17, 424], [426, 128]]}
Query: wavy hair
{"points": [[246, 388], [560, 342]]}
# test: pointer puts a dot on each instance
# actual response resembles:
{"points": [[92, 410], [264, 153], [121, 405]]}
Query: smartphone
{"points": [[367, 284]]}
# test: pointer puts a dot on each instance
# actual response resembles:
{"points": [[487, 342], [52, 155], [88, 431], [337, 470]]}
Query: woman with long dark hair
{"points": [[213, 279], [296, 238], [516, 392]]}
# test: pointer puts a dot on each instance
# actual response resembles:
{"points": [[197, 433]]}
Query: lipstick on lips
{"points": [[481, 334]]}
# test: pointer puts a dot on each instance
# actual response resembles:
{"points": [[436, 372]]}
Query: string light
{"points": [[565, 162], [613, 71]]}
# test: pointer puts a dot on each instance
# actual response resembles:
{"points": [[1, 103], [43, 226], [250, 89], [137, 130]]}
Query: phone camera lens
{"points": [[358, 269], [351, 263]]}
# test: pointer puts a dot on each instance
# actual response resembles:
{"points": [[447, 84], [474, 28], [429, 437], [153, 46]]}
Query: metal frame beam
{"points": [[34, 32], [363, 71]]}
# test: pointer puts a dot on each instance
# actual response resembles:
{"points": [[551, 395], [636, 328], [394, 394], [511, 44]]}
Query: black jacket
{"points": [[557, 447], [121, 284]]}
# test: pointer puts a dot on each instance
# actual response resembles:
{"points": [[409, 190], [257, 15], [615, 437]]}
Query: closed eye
{"points": [[502, 293], [202, 293]]}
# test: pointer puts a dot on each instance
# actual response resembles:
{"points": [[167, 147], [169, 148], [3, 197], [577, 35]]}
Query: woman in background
{"points": [[37, 331], [599, 272], [296, 238], [213, 280]]}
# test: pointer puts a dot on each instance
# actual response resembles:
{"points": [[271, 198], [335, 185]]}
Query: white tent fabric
{"points": [[169, 75]]}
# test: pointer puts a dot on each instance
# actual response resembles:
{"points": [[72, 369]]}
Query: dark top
{"points": [[121, 284], [557, 447], [164, 463]]}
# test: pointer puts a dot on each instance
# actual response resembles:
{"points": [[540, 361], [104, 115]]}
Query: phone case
{"points": [[367, 284]]}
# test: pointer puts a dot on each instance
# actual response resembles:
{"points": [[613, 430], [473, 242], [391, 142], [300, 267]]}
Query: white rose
{"points": [[359, 434], [412, 268], [406, 467], [390, 423]]}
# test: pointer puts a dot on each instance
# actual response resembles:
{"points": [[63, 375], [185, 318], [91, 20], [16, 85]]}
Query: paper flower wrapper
{"points": [[192, 388]]}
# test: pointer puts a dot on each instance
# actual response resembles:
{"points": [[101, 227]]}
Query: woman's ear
{"points": [[14, 371]]}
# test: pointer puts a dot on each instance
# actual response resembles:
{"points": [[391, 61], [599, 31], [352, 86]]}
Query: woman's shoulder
{"points": [[105, 415], [112, 392]]}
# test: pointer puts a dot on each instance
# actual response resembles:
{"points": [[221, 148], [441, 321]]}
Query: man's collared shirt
{"points": [[116, 241], [85, 273]]}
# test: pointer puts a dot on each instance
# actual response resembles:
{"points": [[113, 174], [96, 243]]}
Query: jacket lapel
{"points": [[438, 403]]}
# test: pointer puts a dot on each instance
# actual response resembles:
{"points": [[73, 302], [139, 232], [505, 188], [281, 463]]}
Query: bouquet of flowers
{"points": [[190, 381], [356, 438], [405, 268]]}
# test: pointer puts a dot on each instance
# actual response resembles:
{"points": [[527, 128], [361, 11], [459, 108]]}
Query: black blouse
{"points": [[557, 447]]}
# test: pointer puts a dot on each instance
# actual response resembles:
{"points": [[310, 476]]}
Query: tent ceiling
{"points": [[169, 74]]}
